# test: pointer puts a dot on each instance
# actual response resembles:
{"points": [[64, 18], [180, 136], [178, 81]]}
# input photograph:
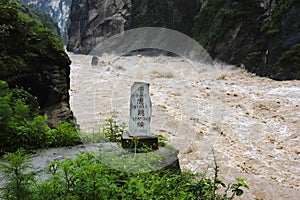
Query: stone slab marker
{"points": [[140, 118], [140, 110]]}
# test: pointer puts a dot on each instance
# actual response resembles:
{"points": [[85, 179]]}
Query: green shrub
{"points": [[21, 126], [31, 134], [85, 177], [112, 129], [18, 183], [64, 134]]}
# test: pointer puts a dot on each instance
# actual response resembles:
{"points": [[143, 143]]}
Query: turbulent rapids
{"points": [[252, 123]]}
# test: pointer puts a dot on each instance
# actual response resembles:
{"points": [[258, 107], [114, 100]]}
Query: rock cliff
{"points": [[263, 35], [173, 14], [95, 20]]}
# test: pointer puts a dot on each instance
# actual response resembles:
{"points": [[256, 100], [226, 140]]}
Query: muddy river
{"points": [[252, 123]]}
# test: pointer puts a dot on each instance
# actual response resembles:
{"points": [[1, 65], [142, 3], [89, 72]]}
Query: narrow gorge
{"points": [[242, 110]]}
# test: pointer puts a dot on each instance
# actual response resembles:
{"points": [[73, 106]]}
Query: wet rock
{"points": [[95, 60]]}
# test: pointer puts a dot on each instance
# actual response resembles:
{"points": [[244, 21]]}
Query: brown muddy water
{"points": [[252, 123]]}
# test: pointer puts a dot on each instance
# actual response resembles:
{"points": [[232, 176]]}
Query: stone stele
{"points": [[140, 117]]}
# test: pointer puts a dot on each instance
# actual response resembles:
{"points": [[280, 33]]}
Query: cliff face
{"points": [[95, 20], [283, 48], [262, 35], [173, 14], [49, 84], [59, 11]]}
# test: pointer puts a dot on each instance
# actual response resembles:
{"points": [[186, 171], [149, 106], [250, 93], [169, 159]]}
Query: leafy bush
{"points": [[64, 134], [18, 182], [112, 129], [21, 126], [85, 177]]}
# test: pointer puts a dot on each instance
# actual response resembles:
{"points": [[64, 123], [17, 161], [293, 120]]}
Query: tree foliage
{"points": [[25, 44]]}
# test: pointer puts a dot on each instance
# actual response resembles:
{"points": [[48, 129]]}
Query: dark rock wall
{"points": [[229, 31], [174, 14], [95, 20], [92, 21], [263, 35], [283, 48]]}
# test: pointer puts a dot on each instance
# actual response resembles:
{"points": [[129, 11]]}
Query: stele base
{"points": [[130, 142]]}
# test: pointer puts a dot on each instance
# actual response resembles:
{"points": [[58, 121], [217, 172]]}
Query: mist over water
{"points": [[251, 122]]}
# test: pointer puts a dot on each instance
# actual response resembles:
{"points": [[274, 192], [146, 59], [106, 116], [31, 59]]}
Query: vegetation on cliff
{"points": [[31, 55], [42, 17], [261, 35], [26, 45]]}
